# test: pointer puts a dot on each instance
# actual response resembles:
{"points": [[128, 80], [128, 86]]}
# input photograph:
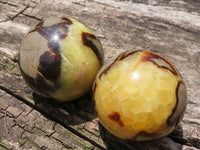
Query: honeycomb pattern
{"points": [[138, 94]]}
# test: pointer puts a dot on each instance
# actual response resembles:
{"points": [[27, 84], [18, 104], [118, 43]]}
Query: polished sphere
{"points": [[139, 96], [60, 58]]}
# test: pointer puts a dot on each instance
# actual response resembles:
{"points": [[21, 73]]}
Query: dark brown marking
{"points": [[50, 61], [67, 20], [126, 54], [115, 116], [148, 56], [119, 58], [105, 71], [86, 39], [175, 121], [39, 85], [49, 65], [55, 32]]}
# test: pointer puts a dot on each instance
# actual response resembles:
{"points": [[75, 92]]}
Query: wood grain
{"points": [[170, 28]]}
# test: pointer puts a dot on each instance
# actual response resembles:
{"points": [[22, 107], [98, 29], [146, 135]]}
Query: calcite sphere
{"points": [[60, 58], [139, 96]]}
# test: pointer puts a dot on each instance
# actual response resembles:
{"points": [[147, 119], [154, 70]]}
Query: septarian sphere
{"points": [[139, 96], [60, 58]]}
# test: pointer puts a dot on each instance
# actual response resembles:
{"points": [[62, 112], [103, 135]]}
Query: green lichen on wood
{"points": [[29, 144], [89, 148], [5, 146], [22, 141]]}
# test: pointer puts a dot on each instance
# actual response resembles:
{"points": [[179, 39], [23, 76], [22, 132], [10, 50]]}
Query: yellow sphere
{"points": [[139, 96], [60, 58]]}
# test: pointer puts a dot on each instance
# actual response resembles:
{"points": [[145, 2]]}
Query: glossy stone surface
{"points": [[60, 57], [139, 96]]}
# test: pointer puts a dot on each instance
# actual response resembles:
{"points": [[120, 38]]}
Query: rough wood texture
{"points": [[170, 28]]}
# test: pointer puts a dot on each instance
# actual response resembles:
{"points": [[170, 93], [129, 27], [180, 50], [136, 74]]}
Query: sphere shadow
{"points": [[165, 143], [68, 113]]}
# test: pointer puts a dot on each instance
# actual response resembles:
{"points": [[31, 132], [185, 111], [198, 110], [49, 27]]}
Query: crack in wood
{"points": [[23, 128], [32, 17], [3, 111], [50, 117], [66, 146], [11, 4], [16, 15]]}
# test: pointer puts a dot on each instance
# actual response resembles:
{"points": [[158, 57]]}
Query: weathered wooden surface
{"points": [[170, 28]]}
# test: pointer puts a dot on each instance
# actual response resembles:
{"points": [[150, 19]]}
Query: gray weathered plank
{"points": [[170, 28]]}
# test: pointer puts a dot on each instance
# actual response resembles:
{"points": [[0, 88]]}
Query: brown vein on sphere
{"points": [[105, 71], [67, 20], [169, 122], [115, 116], [126, 54], [147, 56], [144, 57], [119, 58], [87, 42], [35, 69]]}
